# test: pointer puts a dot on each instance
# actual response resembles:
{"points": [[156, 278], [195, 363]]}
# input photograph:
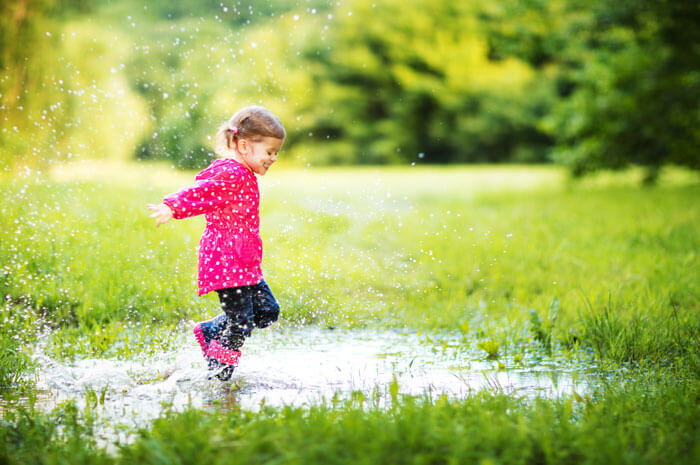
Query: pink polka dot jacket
{"points": [[230, 250]]}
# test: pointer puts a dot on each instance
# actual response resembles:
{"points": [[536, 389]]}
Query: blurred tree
{"points": [[234, 13], [626, 75], [409, 80], [395, 81], [195, 72], [62, 89], [33, 116], [161, 70], [24, 41]]}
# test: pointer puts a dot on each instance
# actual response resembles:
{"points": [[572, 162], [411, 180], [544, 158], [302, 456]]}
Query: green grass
{"points": [[634, 424], [481, 429], [514, 258], [488, 249], [17, 330]]}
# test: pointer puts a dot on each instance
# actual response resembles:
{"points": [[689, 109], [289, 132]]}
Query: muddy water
{"points": [[297, 366]]}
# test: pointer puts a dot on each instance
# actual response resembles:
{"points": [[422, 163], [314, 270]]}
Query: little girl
{"points": [[230, 250]]}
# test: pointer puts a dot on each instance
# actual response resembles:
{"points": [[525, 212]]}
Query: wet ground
{"points": [[299, 366]]}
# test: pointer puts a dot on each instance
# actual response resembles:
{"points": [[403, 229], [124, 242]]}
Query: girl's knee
{"points": [[273, 312], [269, 316]]}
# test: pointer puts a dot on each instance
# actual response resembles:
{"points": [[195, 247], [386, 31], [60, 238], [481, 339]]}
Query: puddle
{"points": [[295, 366]]}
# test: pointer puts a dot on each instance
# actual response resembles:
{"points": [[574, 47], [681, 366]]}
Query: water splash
{"points": [[294, 366]]}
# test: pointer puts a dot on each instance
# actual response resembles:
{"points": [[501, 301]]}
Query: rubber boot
{"points": [[222, 361], [209, 330]]}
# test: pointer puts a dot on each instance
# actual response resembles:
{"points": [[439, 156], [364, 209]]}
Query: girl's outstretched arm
{"points": [[162, 214], [204, 196]]}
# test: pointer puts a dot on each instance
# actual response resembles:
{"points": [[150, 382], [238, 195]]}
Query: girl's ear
{"points": [[241, 146]]}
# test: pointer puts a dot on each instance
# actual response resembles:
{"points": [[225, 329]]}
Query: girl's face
{"points": [[260, 155]]}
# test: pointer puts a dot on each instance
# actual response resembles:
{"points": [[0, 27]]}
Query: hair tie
{"points": [[234, 129]]}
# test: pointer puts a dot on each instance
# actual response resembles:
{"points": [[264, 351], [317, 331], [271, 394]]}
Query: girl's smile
{"points": [[259, 156]]}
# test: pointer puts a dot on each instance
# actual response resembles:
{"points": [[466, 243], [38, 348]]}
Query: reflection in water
{"points": [[299, 366]]}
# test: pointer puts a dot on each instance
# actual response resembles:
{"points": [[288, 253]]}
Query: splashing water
{"points": [[294, 366]]}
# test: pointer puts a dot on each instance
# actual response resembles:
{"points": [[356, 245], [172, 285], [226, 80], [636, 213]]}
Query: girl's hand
{"points": [[162, 214]]}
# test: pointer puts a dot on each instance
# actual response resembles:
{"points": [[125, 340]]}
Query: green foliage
{"points": [[542, 330], [589, 84], [60, 71], [63, 436], [638, 423], [176, 102], [233, 14], [632, 335], [196, 66], [479, 429], [490, 347], [418, 88], [19, 327], [625, 75], [442, 101], [23, 45]]}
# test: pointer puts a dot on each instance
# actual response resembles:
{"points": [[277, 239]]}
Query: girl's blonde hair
{"points": [[252, 123]]}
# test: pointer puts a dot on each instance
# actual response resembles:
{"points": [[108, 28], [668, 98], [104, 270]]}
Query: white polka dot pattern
{"points": [[230, 250]]}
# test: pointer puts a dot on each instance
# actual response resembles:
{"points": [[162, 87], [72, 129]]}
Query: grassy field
{"points": [[511, 256], [634, 425]]}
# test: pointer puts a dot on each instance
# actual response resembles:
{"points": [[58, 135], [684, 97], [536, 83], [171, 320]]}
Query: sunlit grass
{"points": [[487, 248], [18, 329], [629, 425], [517, 259]]}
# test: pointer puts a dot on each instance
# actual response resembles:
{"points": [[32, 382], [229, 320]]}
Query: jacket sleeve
{"points": [[203, 196]]}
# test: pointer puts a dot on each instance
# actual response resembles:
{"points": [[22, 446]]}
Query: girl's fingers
{"points": [[161, 213]]}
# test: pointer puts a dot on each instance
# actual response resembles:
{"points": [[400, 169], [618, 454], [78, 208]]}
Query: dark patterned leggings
{"points": [[246, 307]]}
